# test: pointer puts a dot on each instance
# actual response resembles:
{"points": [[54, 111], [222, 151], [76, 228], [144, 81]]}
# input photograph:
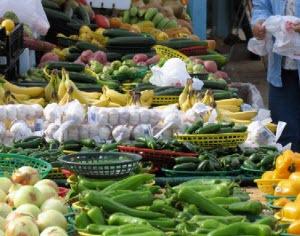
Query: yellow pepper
{"points": [[294, 228], [285, 188], [291, 211], [281, 202]]}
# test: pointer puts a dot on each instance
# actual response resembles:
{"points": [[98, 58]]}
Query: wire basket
{"points": [[214, 140], [170, 173], [159, 158], [10, 162], [267, 186], [101, 164], [164, 100], [194, 51], [168, 53]]}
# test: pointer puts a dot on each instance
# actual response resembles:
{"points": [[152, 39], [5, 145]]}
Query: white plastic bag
{"points": [[74, 111], [20, 130], [30, 12], [287, 41], [172, 73], [260, 47]]}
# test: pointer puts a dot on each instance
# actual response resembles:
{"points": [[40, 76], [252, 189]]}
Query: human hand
{"points": [[296, 27], [259, 31]]}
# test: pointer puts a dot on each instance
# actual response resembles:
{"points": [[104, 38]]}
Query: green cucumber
{"points": [[131, 41], [215, 84], [69, 66], [181, 160], [113, 33], [197, 125], [55, 14], [239, 129], [82, 78], [83, 14], [185, 167], [50, 4], [209, 129], [89, 46]]}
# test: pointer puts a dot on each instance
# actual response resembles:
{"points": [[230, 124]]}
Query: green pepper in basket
{"points": [[82, 220], [96, 215]]}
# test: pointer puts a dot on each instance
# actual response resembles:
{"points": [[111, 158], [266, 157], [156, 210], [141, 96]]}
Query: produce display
{"points": [[145, 132]]}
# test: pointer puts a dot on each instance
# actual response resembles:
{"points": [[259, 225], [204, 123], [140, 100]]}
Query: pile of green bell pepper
{"points": [[135, 206]]}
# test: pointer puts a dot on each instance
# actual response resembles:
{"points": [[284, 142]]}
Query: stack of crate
{"points": [[11, 47]]}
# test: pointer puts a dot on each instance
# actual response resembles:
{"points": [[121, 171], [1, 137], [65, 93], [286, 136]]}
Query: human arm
{"points": [[262, 9]]}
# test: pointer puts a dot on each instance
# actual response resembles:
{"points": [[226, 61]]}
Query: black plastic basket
{"points": [[101, 164], [13, 46]]}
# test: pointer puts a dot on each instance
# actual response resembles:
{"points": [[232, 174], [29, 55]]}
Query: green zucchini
{"points": [[69, 66], [58, 15], [169, 92], [190, 166], [50, 4], [182, 43], [72, 56], [223, 95], [83, 14], [82, 78], [113, 56], [131, 41], [215, 84], [114, 33], [239, 129], [89, 46], [65, 42], [225, 130], [218, 58]]}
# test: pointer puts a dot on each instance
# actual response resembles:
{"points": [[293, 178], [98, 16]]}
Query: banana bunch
{"points": [[208, 98], [243, 118], [233, 104], [185, 98], [67, 91], [13, 94]]}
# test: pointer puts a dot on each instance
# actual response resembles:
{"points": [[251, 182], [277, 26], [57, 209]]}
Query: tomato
{"points": [[295, 179], [268, 175], [281, 202], [285, 188], [291, 211], [294, 228]]}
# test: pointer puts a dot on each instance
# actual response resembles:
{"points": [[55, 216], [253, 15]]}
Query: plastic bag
{"points": [[20, 130], [74, 111], [287, 41], [53, 112], [172, 73], [142, 131], [121, 133], [30, 12], [63, 131], [260, 47]]}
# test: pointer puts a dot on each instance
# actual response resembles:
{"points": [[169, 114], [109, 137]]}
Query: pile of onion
{"points": [[26, 175]]}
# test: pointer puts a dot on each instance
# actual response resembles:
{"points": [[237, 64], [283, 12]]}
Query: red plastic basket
{"points": [[62, 192], [159, 158], [194, 51]]}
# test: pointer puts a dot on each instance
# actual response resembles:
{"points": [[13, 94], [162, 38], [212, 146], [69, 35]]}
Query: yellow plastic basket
{"points": [[87, 234], [267, 186], [128, 86], [164, 100], [214, 140], [168, 53], [278, 216]]}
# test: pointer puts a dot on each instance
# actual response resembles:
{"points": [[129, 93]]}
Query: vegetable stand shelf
{"points": [[101, 164], [214, 140], [159, 158]]}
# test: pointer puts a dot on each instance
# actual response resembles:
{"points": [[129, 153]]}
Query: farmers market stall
{"points": [[128, 102]]}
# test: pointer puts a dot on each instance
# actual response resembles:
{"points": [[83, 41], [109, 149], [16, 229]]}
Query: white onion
{"points": [[54, 231], [15, 215], [47, 182], [2, 196], [51, 218], [46, 192], [26, 175], [27, 194], [2, 223], [22, 226], [5, 184], [54, 204], [29, 209], [5, 209]]}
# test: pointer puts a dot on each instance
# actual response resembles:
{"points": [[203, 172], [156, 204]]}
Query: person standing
{"points": [[283, 72]]}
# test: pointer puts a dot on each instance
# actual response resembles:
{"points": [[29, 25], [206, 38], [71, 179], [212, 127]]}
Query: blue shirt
{"points": [[262, 9]]}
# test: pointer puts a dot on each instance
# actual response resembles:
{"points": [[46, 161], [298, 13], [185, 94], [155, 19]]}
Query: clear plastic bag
{"points": [[30, 12]]}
